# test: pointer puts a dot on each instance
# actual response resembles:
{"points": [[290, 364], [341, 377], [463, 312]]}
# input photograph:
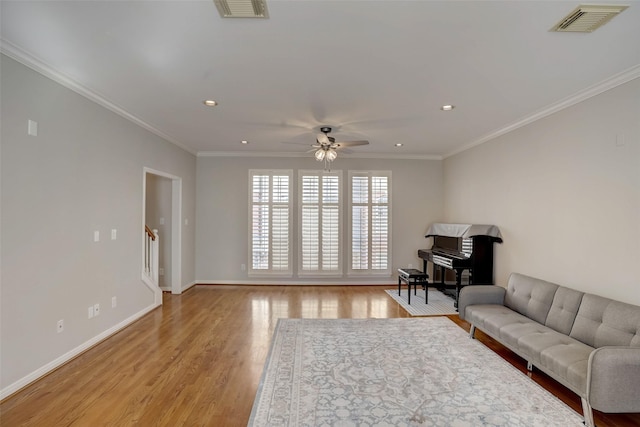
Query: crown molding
{"points": [[12, 51], [9, 49], [307, 155], [605, 85]]}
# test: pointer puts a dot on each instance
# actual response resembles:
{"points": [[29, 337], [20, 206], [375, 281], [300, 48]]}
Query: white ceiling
{"points": [[376, 70]]}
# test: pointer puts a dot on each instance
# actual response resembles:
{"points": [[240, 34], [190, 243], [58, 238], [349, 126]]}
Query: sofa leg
{"points": [[588, 413], [529, 366], [472, 331]]}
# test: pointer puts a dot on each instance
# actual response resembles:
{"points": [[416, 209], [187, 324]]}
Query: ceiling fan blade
{"points": [[314, 147], [351, 143], [323, 139]]}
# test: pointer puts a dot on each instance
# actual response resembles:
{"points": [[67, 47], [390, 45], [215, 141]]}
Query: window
{"points": [[320, 203], [270, 212], [370, 219]]}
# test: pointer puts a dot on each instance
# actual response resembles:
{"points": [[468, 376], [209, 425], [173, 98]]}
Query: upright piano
{"points": [[460, 247]]}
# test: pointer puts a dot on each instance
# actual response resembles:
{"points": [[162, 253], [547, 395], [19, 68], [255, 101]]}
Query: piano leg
{"points": [[458, 287]]}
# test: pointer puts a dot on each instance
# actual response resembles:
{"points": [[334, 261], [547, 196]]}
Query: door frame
{"points": [[176, 221]]}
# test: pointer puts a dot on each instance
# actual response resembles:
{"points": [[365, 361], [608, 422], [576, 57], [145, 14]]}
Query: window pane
{"points": [[379, 240], [260, 237], [260, 188], [310, 189], [330, 189], [270, 212], [320, 214], [310, 244], [280, 189], [379, 189], [370, 226], [280, 238], [330, 238], [360, 238], [360, 189]]}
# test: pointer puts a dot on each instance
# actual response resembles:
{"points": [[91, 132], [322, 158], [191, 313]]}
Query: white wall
{"points": [[222, 211], [83, 172], [565, 195]]}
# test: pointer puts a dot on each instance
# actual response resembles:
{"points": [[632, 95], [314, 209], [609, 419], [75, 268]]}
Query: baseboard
{"points": [[183, 289], [383, 282], [49, 367], [189, 286]]}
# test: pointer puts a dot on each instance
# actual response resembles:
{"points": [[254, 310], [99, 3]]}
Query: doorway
{"points": [[162, 211]]}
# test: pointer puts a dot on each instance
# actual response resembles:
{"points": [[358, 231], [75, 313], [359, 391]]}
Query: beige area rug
{"points": [[395, 372], [439, 303]]}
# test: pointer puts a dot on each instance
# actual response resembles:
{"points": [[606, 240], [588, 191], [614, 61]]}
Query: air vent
{"points": [[242, 8], [587, 18]]}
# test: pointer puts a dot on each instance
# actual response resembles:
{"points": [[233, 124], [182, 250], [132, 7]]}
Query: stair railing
{"points": [[151, 252]]}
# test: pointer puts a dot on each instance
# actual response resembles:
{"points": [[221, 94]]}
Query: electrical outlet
{"points": [[410, 266], [114, 302], [96, 309], [161, 271], [90, 312], [243, 267], [60, 327]]}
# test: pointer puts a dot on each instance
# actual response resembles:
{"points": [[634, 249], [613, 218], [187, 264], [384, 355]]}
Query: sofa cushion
{"points": [[567, 358], [511, 334], [564, 309], [569, 361], [491, 317], [604, 322], [530, 296]]}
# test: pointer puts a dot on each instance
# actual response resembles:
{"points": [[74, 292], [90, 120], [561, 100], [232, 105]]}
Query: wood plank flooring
{"points": [[198, 359]]}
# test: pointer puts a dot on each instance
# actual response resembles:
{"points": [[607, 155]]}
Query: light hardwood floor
{"points": [[197, 360]]}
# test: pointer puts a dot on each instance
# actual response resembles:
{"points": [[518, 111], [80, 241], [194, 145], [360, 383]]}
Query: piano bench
{"points": [[414, 277]]}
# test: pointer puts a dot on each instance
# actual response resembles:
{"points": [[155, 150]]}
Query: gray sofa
{"points": [[586, 342]]}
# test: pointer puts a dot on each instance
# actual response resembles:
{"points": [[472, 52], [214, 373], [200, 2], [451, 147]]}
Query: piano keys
{"points": [[460, 247]]}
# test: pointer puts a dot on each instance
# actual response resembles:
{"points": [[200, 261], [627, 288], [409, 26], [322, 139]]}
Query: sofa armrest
{"points": [[479, 294], [613, 379]]}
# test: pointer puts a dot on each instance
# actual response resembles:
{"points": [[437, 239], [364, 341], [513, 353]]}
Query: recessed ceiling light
{"points": [[399, 144], [210, 103], [245, 142], [447, 107]]}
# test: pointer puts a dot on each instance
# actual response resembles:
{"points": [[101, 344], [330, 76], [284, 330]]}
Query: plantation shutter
{"points": [[370, 222], [270, 222], [320, 220]]}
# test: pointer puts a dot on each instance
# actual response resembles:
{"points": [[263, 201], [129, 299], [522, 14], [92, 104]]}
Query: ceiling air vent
{"points": [[586, 18], [242, 8]]}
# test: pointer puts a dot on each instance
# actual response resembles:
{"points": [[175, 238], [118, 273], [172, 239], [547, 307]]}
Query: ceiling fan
{"points": [[325, 149]]}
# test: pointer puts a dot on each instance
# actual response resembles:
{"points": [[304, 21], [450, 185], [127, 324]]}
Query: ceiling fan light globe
{"points": [[331, 155], [319, 155]]}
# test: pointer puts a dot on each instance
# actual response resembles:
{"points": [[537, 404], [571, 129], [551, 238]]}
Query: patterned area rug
{"points": [[439, 303], [395, 372]]}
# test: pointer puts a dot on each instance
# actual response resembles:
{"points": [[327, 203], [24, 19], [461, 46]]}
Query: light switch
{"points": [[161, 220], [32, 128], [96, 236], [114, 234]]}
